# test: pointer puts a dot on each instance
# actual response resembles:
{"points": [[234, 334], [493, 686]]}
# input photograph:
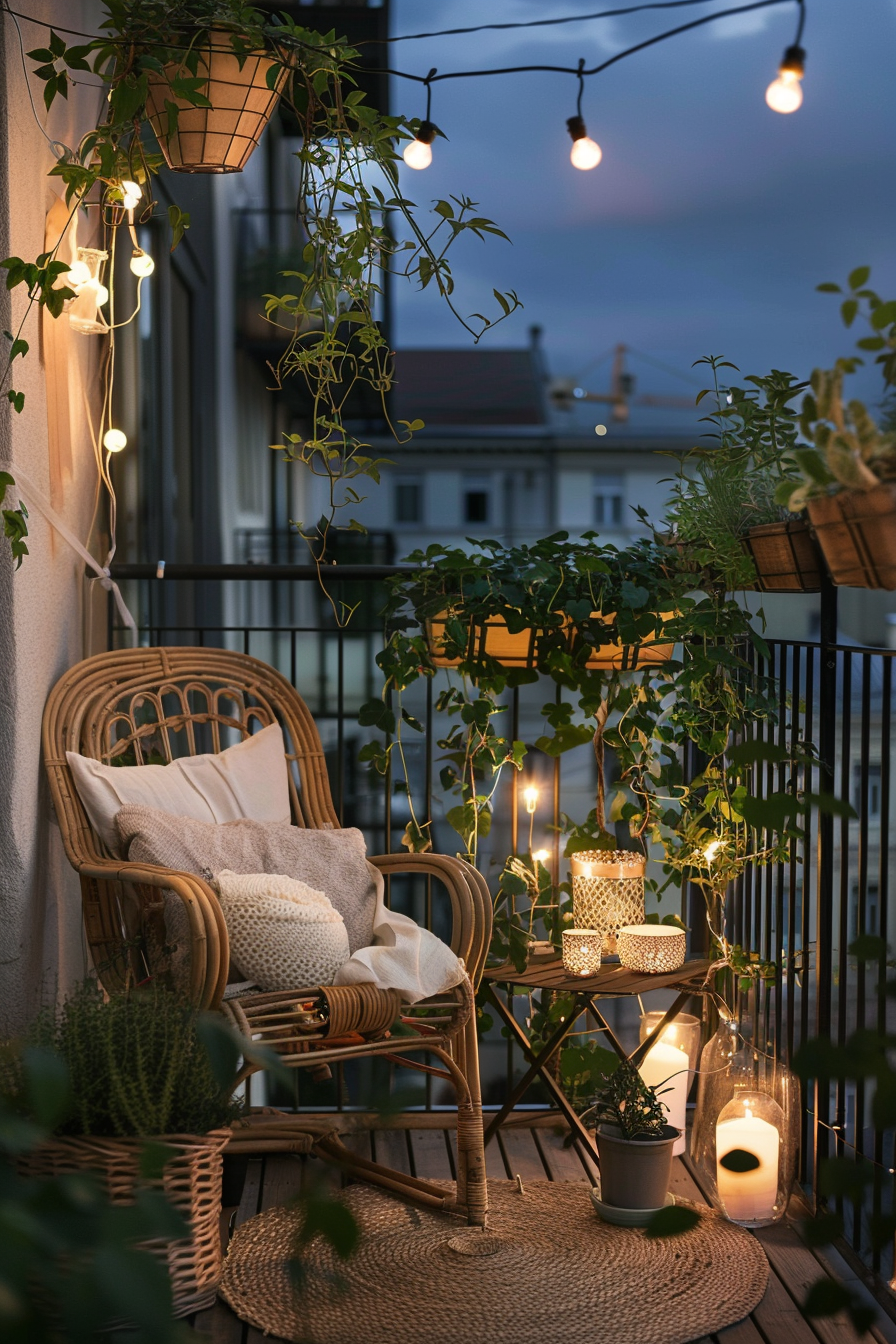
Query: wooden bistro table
{"points": [[611, 982]]}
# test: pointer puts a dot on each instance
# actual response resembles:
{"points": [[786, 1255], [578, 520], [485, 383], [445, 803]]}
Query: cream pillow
{"points": [[283, 934], [247, 780]]}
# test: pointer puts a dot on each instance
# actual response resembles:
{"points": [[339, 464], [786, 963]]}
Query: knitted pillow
{"points": [[246, 780], [283, 935], [333, 862]]}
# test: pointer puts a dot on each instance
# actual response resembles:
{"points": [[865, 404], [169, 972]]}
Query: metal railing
{"points": [[802, 914]]}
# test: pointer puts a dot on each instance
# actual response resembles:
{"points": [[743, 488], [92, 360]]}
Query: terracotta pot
{"points": [[786, 557], [220, 138], [492, 638], [634, 1173], [856, 530]]}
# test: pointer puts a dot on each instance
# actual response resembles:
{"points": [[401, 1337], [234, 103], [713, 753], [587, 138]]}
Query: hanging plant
{"points": [[165, 65]]}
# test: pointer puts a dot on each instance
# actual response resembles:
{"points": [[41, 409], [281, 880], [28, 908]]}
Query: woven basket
{"points": [[856, 530], [220, 138], [491, 638], [786, 557], [191, 1182]]}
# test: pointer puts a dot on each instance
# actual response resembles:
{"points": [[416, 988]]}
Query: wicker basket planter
{"points": [[220, 138], [786, 557], [491, 638], [856, 530], [191, 1181]]}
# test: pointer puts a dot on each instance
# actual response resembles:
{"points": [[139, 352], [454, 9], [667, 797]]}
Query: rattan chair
{"points": [[180, 701]]}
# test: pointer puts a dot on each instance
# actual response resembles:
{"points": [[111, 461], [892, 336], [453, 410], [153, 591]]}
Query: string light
{"points": [[585, 152], [418, 152], [131, 195], [114, 440], [530, 798], [541, 855], [785, 94], [712, 850], [142, 263]]}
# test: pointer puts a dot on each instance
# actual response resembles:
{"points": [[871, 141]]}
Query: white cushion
{"points": [[283, 934], [248, 780]]}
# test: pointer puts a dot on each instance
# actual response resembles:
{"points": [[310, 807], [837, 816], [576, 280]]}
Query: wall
{"points": [[43, 606]]}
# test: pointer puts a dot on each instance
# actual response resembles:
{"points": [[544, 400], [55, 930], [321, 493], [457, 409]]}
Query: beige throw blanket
{"points": [[403, 956]]}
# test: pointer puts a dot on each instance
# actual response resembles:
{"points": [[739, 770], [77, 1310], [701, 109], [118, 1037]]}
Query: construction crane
{"points": [[566, 393]]}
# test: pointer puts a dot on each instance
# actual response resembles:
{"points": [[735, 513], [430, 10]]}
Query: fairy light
{"points": [[785, 94], [712, 850], [541, 855], [114, 440], [530, 798], [585, 152], [131, 195], [418, 152], [141, 263]]}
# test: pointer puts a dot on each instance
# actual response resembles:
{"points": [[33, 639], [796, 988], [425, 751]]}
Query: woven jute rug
{"points": [[546, 1269]]}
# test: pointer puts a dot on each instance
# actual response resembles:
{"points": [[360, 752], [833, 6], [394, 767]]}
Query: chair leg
{"points": [[472, 1191]]}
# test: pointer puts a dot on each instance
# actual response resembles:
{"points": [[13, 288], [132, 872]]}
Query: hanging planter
{"points": [[491, 638], [856, 530], [242, 92], [786, 557]]}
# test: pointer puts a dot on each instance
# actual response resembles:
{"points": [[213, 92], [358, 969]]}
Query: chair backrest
{"points": [[148, 706]]}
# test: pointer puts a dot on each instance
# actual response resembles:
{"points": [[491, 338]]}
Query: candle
{"points": [[666, 1068], [748, 1196]]}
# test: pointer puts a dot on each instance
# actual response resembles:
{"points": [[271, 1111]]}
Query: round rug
{"points": [[546, 1268]]}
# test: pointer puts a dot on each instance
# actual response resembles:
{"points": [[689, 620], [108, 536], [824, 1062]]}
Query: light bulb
{"points": [[530, 798], [585, 153], [142, 264], [541, 855], [785, 94], [102, 294], [131, 193], [600, 430], [78, 275], [712, 850], [114, 440], [417, 154]]}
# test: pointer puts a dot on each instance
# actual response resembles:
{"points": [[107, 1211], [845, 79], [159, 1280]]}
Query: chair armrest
{"points": [[209, 944], [471, 902]]}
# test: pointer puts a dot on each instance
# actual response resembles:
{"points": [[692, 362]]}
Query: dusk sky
{"points": [[710, 220]]}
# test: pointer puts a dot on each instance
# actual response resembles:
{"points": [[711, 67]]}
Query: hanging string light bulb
{"points": [[585, 152], [114, 440], [418, 152], [131, 195], [141, 263], [785, 94]]}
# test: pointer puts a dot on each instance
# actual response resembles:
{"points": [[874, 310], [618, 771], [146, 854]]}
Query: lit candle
{"points": [[748, 1196], [666, 1068]]}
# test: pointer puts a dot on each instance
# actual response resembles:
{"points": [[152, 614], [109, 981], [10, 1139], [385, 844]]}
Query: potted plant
{"points": [[848, 474], [634, 1141], [147, 1110], [724, 514]]}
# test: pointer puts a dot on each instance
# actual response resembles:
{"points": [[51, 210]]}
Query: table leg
{"points": [[538, 1068], [637, 1056]]}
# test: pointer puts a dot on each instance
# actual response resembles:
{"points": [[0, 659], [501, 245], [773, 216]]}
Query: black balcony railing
{"points": [[802, 914]]}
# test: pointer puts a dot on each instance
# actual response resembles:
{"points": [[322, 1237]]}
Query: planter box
{"points": [[786, 557], [191, 1182], [220, 138], [856, 530], [491, 638]]}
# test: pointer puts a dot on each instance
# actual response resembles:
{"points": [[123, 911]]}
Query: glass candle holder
{"points": [[607, 891], [581, 951], [670, 1065]]}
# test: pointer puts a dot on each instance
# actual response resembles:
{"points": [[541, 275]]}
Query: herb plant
{"points": [[626, 1101]]}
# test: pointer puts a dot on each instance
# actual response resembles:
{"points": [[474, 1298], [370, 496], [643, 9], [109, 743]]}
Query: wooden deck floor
{"points": [[536, 1152]]}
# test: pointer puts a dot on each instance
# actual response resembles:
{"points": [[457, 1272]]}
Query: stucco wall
{"points": [[42, 606]]}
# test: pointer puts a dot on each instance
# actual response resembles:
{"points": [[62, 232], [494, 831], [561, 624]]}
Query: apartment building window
{"points": [[870, 921], [477, 500], [409, 500], [609, 501], [873, 794]]}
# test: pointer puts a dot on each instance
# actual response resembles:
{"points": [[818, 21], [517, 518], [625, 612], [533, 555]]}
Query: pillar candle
{"points": [[666, 1068], [748, 1196]]}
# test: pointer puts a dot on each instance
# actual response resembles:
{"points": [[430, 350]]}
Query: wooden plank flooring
{"points": [[542, 1152]]}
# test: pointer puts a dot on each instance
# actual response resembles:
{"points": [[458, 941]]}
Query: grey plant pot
{"points": [[634, 1173]]}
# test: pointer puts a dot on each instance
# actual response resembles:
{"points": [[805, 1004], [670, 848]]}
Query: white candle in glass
{"points": [[666, 1068], [748, 1196]]}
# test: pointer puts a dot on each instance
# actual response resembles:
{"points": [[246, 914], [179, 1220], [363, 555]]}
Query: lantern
{"points": [[607, 892], [669, 1065], [581, 951], [745, 1141]]}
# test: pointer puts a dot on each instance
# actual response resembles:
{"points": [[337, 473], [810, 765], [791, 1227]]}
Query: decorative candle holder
{"points": [[607, 891], [670, 1064], [652, 948], [749, 1102], [581, 951]]}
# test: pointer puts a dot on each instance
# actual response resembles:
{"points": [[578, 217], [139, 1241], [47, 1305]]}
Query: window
{"points": [[409, 500], [871, 791], [477, 500], [609, 501], [869, 923]]}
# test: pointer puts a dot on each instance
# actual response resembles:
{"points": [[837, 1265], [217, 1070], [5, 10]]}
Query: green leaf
{"points": [[848, 310], [828, 288], [328, 1217], [671, 1222], [739, 1160], [868, 947], [859, 277], [826, 1298], [46, 1086]]}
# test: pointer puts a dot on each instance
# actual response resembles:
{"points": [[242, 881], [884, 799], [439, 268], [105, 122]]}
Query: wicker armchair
{"points": [[181, 701]]}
